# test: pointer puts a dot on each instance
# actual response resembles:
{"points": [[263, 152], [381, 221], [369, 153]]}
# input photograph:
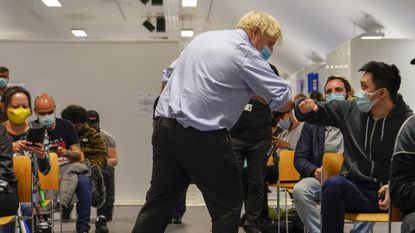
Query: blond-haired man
{"points": [[208, 89]]}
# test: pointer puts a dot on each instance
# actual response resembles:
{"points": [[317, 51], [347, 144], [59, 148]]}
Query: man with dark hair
{"points": [[369, 126], [315, 140], [93, 148], [108, 172], [62, 134]]}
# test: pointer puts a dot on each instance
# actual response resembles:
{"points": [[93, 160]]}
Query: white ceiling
{"points": [[311, 28]]}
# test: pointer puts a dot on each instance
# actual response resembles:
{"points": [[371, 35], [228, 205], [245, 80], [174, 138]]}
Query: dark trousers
{"points": [[408, 223], [108, 207], [181, 207], [341, 195], [254, 151], [8, 206], [83, 207], [183, 154]]}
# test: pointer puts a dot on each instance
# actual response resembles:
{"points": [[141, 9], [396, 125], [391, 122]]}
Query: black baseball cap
{"points": [[93, 118]]}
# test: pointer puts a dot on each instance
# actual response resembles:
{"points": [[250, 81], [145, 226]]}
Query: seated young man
{"points": [[369, 126], [315, 140], [402, 180]]}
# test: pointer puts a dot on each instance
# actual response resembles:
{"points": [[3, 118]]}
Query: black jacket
{"points": [[7, 177], [368, 144], [402, 182], [310, 149]]}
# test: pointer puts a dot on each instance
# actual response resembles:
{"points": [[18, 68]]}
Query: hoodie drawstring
{"points": [[383, 127], [367, 129]]}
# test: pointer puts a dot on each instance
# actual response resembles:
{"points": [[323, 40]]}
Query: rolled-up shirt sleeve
{"points": [[265, 83]]}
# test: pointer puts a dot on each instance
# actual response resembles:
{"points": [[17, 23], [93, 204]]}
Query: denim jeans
{"points": [[83, 207], [306, 194]]}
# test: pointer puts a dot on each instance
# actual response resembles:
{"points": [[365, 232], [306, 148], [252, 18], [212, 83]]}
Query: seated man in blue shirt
{"points": [[315, 140], [369, 126], [208, 89]]}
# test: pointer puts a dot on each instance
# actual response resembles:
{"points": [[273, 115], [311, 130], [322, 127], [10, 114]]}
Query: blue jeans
{"points": [[340, 195], [83, 207]]}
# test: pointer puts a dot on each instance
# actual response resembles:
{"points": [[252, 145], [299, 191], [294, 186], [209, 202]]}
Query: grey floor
{"points": [[195, 220]]}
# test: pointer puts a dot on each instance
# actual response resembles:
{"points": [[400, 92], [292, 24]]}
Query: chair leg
{"points": [[286, 212], [278, 206]]}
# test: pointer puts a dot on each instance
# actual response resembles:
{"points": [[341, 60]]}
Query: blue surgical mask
{"points": [[3, 82], [285, 124], [363, 101], [47, 120], [335, 96], [265, 53]]}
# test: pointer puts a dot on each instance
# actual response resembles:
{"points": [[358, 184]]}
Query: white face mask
{"points": [[363, 100]]}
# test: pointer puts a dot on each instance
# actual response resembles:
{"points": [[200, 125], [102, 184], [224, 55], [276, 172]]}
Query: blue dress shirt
{"points": [[214, 78]]}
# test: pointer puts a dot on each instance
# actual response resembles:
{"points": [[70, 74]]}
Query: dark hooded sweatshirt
{"points": [[402, 182], [368, 143]]}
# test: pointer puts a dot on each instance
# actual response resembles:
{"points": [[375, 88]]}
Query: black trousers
{"points": [[183, 154], [108, 207], [254, 151]]}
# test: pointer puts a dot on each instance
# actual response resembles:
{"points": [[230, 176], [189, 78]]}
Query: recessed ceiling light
{"points": [[52, 3], [79, 33], [187, 33], [189, 3]]}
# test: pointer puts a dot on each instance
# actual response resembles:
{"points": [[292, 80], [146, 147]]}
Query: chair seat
{"points": [[7, 219], [367, 217], [286, 185]]}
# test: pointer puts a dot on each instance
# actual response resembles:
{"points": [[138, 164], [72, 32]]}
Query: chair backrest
{"points": [[22, 168], [50, 181], [332, 164], [287, 172]]}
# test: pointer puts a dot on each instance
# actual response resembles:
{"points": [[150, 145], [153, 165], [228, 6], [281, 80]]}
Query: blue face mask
{"points": [[47, 120], [3, 82], [335, 96], [363, 101], [265, 53], [285, 124]]}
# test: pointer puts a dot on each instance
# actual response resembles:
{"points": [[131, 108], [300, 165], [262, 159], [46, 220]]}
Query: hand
{"points": [[61, 152], [281, 143], [383, 195], [317, 173], [38, 149], [19, 146], [307, 106], [287, 107]]}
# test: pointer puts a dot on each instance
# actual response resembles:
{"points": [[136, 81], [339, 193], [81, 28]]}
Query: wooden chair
{"points": [[22, 168], [287, 178], [50, 182], [332, 164]]}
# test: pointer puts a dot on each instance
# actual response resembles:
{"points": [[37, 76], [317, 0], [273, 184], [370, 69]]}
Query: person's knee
{"points": [[333, 185]]}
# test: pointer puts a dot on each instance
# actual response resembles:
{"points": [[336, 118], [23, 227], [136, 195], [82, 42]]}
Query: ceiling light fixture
{"points": [[52, 3], [189, 3], [79, 33], [372, 35], [187, 33]]}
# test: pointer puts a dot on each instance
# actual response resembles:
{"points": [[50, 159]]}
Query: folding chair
{"points": [[50, 182], [22, 168], [287, 178]]}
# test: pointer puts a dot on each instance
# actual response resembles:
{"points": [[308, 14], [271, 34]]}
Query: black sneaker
{"points": [[177, 220], [101, 225]]}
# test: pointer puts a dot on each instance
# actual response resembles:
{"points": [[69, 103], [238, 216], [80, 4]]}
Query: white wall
{"points": [[106, 76]]}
